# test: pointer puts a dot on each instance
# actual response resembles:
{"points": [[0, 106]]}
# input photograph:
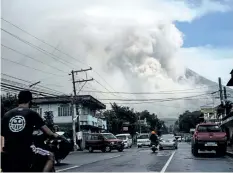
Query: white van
{"points": [[143, 140], [127, 139]]}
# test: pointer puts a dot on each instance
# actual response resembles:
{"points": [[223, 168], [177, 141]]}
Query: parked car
{"points": [[143, 140], [168, 141], [127, 139], [106, 142], [209, 136]]}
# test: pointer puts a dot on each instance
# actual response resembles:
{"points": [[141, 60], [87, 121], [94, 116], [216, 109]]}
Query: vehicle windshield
{"points": [[121, 137], [109, 136], [167, 136], [143, 137], [209, 128]]}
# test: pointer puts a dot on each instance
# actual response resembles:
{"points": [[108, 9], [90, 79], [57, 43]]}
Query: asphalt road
{"points": [[143, 160]]}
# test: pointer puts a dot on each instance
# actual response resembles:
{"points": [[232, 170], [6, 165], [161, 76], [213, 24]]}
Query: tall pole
{"points": [[225, 99], [220, 89], [73, 111], [225, 93], [140, 124], [74, 102]]}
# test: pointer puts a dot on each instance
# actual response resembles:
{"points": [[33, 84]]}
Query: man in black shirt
{"points": [[16, 133]]}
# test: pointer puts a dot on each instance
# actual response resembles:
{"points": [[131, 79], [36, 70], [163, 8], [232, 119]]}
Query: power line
{"points": [[165, 99], [55, 49], [32, 58], [108, 89], [149, 103], [39, 49], [29, 67], [8, 86], [141, 93], [43, 41], [29, 82]]}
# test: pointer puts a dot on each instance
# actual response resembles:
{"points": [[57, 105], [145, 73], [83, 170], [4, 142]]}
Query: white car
{"points": [[127, 139], [143, 140], [168, 141]]}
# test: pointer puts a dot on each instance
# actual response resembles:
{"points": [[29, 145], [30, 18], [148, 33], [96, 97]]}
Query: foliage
{"points": [[49, 120], [118, 115], [188, 120], [8, 102]]}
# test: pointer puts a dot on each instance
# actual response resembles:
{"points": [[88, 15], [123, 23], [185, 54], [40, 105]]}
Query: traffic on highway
{"points": [[171, 156]]}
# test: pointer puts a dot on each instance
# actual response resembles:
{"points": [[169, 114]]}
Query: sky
{"points": [[132, 46]]}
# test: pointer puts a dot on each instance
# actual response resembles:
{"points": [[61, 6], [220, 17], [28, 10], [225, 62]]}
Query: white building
{"points": [[62, 112]]}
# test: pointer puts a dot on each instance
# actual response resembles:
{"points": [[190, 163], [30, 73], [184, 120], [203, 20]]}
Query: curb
{"points": [[230, 154]]}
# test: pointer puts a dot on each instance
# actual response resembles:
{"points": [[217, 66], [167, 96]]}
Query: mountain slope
{"points": [[203, 81]]}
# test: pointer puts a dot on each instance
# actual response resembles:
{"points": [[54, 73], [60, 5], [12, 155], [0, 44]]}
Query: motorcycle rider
{"points": [[154, 138], [16, 136]]}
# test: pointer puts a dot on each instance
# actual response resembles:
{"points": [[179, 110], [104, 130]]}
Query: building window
{"points": [[64, 111]]}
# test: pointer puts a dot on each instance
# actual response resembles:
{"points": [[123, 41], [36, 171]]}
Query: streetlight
{"points": [[34, 84]]}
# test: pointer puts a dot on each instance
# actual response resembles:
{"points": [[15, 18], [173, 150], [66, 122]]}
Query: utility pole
{"points": [[225, 93], [220, 90], [225, 99], [221, 95], [74, 101]]}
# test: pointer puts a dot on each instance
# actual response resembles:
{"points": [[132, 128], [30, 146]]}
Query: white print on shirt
{"points": [[17, 123]]}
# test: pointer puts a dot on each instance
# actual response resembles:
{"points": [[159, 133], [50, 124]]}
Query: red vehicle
{"points": [[104, 142], [209, 136]]}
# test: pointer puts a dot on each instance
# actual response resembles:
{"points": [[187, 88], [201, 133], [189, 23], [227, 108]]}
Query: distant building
{"points": [[62, 111], [210, 114]]}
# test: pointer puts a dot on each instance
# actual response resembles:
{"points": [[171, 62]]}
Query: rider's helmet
{"points": [[153, 132]]}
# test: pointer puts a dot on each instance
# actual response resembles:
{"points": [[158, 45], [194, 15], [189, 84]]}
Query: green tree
{"points": [[189, 120], [9, 101], [118, 115], [49, 120]]}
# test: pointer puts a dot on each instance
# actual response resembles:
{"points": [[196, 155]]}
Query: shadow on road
{"points": [[208, 155]]}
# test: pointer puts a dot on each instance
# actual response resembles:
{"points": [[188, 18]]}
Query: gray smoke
{"points": [[132, 47]]}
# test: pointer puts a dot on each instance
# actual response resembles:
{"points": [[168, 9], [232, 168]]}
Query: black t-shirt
{"points": [[17, 128], [153, 138]]}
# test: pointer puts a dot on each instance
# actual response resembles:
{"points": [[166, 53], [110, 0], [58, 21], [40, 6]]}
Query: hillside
{"points": [[203, 81]]}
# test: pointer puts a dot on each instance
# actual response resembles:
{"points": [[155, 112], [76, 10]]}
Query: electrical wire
{"points": [[164, 99], [26, 86], [143, 93], [30, 67], [30, 82], [12, 87], [40, 49], [55, 49], [16, 51]]}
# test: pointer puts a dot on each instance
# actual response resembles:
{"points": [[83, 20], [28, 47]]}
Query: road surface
{"points": [[143, 160]]}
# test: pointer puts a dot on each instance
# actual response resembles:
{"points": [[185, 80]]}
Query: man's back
{"points": [[17, 129], [153, 138]]}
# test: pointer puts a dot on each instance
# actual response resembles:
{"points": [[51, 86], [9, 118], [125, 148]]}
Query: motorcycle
{"points": [[154, 147], [60, 147]]}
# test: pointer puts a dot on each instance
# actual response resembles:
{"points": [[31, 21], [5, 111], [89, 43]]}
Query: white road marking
{"points": [[77, 166], [168, 161], [65, 169]]}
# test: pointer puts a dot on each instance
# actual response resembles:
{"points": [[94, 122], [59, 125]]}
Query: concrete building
{"points": [[90, 120], [210, 114]]}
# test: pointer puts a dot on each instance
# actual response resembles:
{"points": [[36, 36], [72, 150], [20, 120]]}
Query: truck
{"points": [[209, 136]]}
